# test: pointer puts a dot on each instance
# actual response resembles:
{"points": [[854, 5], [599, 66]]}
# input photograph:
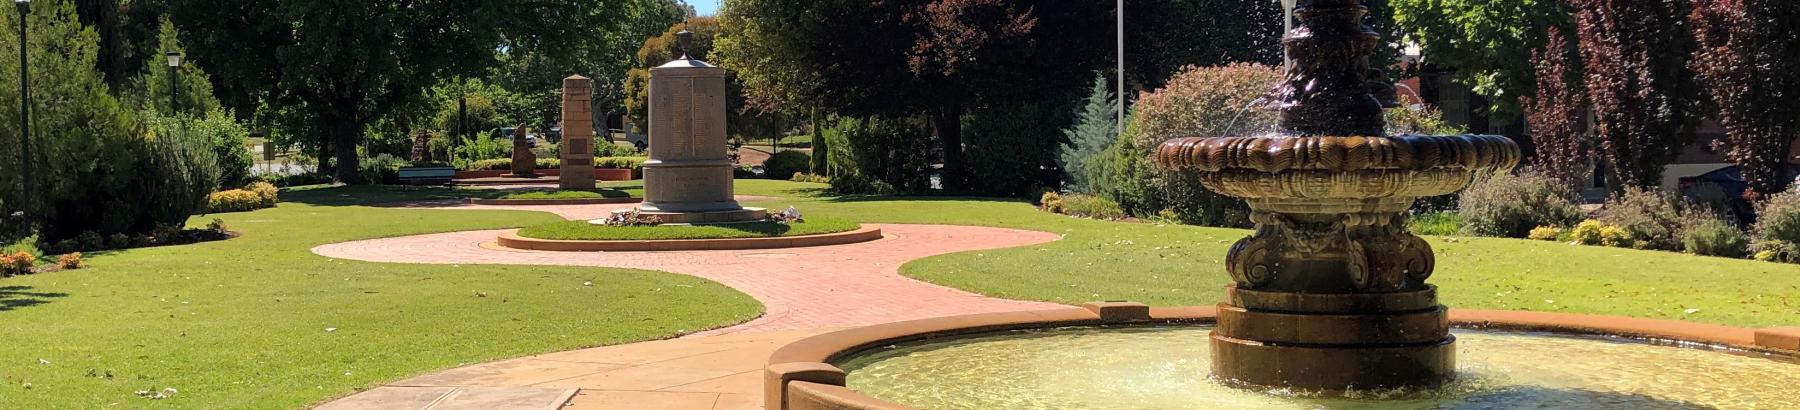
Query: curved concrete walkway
{"points": [[805, 291]]}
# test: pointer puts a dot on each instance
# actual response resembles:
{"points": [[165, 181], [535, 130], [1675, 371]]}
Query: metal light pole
{"points": [[174, 79], [1119, 127], [24, 116]]}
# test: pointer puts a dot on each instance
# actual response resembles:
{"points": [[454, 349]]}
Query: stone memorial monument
{"points": [[577, 150], [688, 176], [524, 162]]}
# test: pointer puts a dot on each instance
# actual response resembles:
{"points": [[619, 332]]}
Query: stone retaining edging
{"points": [[865, 234]]}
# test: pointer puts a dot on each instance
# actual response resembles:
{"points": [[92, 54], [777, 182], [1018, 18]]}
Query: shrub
{"points": [[1713, 236], [118, 241], [857, 184], [90, 241], [17, 263], [1011, 147], [784, 164], [880, 155], [236, 200], [265, 191], [179, 170], [1545, 233], [1512, 205], [1652, 218], [218, 226], [229, 145], [1051, 202], [602, 148], [69, 261], [1435, 223], [632, 163], [1588, 232], [813, 178], [1779, 225], [382, 169], [1205, 101], [482, 147], [1089, 206], [1614, 236]]}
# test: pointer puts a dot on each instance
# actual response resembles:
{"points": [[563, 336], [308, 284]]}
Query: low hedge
{"points": [[635, 163], [236, 200]]}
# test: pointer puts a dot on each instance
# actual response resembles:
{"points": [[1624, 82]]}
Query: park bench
{"points": [[427, 175]]}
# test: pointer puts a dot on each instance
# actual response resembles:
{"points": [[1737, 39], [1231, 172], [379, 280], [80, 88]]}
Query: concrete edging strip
{"points": [[865, 234], [788, 390]]}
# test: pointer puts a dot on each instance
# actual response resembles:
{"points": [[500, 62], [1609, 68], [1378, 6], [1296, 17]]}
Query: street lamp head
{"points": [[24, 6], [174, 58]]}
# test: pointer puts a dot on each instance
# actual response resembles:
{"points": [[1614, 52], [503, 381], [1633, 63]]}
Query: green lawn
{"points": [[582, 230], [1174, 265], [244, 323]]}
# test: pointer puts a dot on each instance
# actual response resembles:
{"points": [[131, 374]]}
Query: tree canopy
{"points": [[339, 65], [1488, 43]]}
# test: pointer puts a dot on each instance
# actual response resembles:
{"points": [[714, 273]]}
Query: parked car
{"points": [[1730, 180], [507, 133], [642, 141]]}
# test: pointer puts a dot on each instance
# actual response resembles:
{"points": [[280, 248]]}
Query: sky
{"points": [[705, 7]]}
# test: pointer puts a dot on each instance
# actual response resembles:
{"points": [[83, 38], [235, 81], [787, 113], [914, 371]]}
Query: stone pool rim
{"points": [[800, 376]]}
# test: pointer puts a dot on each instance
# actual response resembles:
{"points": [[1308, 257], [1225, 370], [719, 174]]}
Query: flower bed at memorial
{"points": [[585, 231]]}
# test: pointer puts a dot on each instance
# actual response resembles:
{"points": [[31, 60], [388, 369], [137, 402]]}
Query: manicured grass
{"points": [[565, 194], [243, 323], [1175, 265], [584, 231], [1436, 223]]}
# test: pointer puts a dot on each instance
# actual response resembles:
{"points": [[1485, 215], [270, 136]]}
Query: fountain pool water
{"points": [[1169, 367]]}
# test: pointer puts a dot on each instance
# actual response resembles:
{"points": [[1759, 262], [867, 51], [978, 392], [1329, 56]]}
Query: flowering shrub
{"points": [[1616, 237], [633, 218], [236, 200], [1545, 233], [1051, 202], [17, 263], [69, 261], [787, 216], [1651, 217], [807, 177], [1713, 236], [1587, 232], [266, 191]]}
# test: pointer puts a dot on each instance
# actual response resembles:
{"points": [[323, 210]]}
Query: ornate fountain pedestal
{"points": [[1330, 290]]}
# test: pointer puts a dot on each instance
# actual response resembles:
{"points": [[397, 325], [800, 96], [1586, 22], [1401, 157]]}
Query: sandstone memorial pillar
{"points": [[524, 162], [688, 177], [577, 148]]}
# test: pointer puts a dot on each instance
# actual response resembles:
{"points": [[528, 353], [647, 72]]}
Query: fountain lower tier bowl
{"points": [[1124, 356]]}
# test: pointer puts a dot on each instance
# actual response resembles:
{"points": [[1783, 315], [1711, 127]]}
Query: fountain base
{"points": [[1330, 343]]}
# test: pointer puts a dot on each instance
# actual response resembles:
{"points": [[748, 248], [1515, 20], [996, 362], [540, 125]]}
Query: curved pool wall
{"points": [[802, 375]]}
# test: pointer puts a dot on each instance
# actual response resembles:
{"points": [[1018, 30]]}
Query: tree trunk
{"points": [[947, 123], [820, 158], [344, 131]]}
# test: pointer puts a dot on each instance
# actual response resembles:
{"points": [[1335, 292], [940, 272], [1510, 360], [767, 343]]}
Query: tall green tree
{"points": [[151, 88], [1095, 129], [1487, 43], [937, 58], [342, 64]]}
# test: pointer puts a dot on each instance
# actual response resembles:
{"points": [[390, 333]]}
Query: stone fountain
{"points": [[1330, 290]]}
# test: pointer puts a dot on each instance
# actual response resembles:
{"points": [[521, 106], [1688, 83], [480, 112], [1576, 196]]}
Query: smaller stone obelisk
{"points": [[688, 176], [577, 150], [524, 162]]}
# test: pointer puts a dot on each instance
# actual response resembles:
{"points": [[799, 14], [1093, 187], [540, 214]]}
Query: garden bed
{"points": [[585, 236]]}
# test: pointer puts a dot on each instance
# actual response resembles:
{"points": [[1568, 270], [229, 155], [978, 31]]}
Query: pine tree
{"points": [[1092, 133]]}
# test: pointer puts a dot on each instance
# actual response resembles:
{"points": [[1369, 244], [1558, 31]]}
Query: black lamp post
{"points": [[174, 80], [24, 115]]}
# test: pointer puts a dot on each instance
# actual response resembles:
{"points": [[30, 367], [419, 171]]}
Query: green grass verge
{"points": [[1176, 265], [243, 323], [584, 231]]}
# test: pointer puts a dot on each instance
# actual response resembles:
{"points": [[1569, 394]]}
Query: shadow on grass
{"points": [[363, 195], [756, 228], [15, 297]]}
